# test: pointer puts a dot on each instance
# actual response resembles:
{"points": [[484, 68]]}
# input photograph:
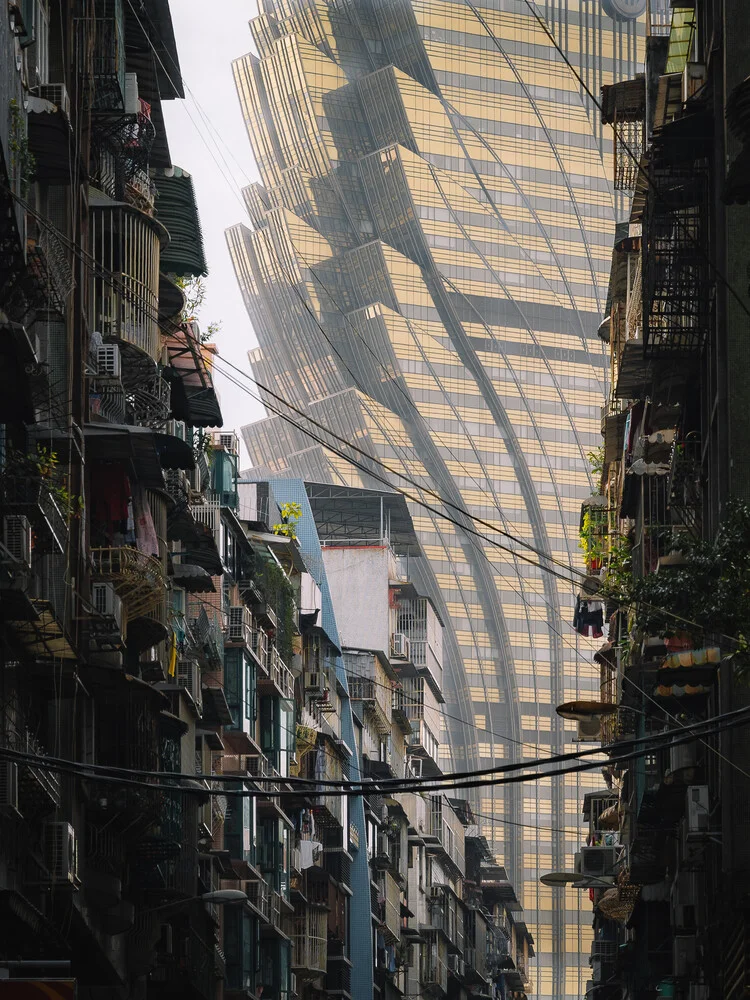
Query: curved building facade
{"points": [[425, 267]]}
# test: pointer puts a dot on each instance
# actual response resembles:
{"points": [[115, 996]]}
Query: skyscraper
{"points": [[425, 269]]}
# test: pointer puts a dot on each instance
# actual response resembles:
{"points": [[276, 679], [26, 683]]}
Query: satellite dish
{"points": [[624, 10]]}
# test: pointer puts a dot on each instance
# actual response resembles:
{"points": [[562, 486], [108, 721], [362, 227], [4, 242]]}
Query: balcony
{"points": [[177, 486], [100, 48], [258, 896], [309, 942], [376, 696], [446, 916], [39, 790], [422, 743], [434, 971], [34, 499], [148, 401], [279, 676], [208, 636], [209, 514], [446, 832], [138, 578], [107, 399], [391, 907], [49, 274], [259, 647], [124, 304]]}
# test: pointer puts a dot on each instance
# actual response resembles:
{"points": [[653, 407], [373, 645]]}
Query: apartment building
{"points": [[665, 859]]}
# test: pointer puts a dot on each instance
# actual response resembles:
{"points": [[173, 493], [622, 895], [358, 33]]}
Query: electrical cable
{"points": [[618, 601], [730, 720], [354, 329]]}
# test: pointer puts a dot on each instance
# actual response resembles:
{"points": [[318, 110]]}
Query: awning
{"points": [[193, 396], [195, 579], [177, 210], [174, 453], [216, 710], [44, 636], [50, 139], [122, 443], [636, 373], [624, 101], [198, 542], [680, 38], [16, 353], [172, 725]]}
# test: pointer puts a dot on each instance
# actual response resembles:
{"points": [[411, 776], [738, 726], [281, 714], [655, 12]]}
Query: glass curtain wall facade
{"points": [[425, 267]]}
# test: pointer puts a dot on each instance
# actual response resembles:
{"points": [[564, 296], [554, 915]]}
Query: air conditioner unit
{"points": [[684, 954], [694, 76], [697, 808], [597, 861], [61, 852], [399, 646], [9, 788], [604, 951], [106, 602], [227, 441], [132, 107], [456, 965], [240, 624], [189, 676], [56, 93], [108, 361], [589, 730], [17, 538]]}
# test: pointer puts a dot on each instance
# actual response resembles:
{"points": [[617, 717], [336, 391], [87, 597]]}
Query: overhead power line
{"points": [[476, 779]]}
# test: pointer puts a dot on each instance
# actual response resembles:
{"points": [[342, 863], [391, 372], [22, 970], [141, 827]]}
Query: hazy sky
{"points": [[209, 37]]}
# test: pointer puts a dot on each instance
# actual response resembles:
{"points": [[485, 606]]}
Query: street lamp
{"points": [[559, 880], [219, 897]]}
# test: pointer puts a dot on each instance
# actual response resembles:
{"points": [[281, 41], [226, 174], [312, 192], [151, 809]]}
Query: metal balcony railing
{"points": [[107, 399], [209, 513], [280, 674], [310, 940], [259, 646], [445, 827], [259, 766], [33, 498], [258, 895], [34, 784], [138, 578], [391, 906], [208, 636], [423, 738], [149, 402], [48, 262]]}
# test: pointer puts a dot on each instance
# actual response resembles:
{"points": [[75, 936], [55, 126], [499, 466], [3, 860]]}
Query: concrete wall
{"points": [[358, 580]]}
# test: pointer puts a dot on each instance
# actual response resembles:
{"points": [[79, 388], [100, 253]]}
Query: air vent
{"points": [[108, 361]]}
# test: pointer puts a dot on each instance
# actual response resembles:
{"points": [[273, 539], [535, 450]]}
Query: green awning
{"points": [[177, 211], [680, 39]]}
